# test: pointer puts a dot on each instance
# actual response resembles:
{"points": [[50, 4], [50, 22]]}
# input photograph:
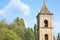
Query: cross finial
{"points": [[44, 1]]}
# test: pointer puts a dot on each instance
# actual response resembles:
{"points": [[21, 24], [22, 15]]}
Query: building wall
{"points": [[42, 30]]}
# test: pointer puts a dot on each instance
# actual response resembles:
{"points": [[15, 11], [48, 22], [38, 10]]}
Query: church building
{"points": [[44, 23]]}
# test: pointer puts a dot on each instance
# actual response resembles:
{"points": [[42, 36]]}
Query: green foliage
{"points": [[15, 31], [54, 37], [3, 24], [6, 34], [58, 38], [36, 32], [29, 34], [19, 27]]}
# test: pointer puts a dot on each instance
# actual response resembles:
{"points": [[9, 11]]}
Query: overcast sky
{"points": [[28, 10]]}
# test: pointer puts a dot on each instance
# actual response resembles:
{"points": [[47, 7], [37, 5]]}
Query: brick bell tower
{"points": [[44, 22]]}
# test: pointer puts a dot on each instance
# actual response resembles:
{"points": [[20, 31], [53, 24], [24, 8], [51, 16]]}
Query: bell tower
{"points": [[44, 22]]}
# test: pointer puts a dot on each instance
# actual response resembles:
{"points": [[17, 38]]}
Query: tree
{"points": [[36, 32], [18, 26], [16, 30], [6, 34], [29, 34], [54, 37], [3, 24], [58, 38]]}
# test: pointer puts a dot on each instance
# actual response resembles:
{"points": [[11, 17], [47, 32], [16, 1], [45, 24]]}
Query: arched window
{"points": [[46, 36], [45, 23]]}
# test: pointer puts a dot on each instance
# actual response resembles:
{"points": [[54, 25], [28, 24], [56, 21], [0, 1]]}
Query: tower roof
{"points": [[44, 8]]}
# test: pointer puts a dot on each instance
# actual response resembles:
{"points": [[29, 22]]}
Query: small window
{"points": [[45, 23], [46, 36]]}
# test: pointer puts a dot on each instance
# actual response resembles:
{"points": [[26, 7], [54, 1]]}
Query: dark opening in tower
{"points": [[46, 36], [45, 23]]}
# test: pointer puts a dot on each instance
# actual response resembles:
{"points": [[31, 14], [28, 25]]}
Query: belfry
{"points": [[44, 22]]}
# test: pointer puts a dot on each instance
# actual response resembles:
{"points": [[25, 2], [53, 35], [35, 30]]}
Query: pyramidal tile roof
{"points": [[44, 9]]}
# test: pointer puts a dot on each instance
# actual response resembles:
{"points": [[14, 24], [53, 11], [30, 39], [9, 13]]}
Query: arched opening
{"points": [[45, 23], [46, 36]]}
